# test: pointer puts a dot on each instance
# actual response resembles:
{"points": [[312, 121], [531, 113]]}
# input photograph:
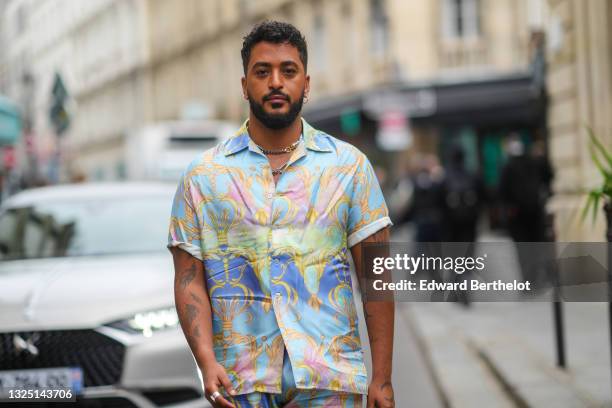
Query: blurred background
{"points": [[402, 80], [474, 114]]}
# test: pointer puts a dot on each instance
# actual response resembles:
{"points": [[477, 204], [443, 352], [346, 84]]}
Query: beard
{"points": [[276, 121]]}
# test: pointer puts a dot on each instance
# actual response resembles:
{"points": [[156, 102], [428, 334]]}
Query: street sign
{"points": [[10, 122], [8, 158], [393, 131], [58, 113], [414, 104]]}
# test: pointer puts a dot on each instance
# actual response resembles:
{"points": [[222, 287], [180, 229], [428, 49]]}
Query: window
{"points": [[349, 29], [460, 18], [320, 52], [379, 27], [98, 225]]}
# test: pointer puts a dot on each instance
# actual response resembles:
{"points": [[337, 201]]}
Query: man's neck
{"points": [[273, 139]]}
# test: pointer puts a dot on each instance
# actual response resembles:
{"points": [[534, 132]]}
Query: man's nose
{"points": [[276, 81]]}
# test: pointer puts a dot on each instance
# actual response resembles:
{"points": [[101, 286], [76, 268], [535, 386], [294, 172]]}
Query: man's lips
{"points": [[277, 99]]}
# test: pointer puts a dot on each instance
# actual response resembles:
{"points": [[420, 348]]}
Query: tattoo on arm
{"points": [[196, 298], [188, 275], [379, 237], [196, 331], [191, 341], [192, 312]]}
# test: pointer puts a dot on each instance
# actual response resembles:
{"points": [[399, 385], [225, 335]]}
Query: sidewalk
{"points": [[504, 354]]}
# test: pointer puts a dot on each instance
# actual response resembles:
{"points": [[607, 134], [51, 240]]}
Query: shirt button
{"points": [[269, 195], [278, 294]]}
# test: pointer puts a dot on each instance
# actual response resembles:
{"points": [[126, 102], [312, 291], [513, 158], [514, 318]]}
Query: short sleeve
{"points": [[368, 211], [184, 229]]}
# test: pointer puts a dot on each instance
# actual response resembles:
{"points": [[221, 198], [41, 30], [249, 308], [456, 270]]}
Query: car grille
{"points": [[100, 357]]}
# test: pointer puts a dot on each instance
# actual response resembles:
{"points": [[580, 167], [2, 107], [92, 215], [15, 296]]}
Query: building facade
{"points": [[474, 47], [354, 44], [126, 64], [98, 48], [580, 87]]}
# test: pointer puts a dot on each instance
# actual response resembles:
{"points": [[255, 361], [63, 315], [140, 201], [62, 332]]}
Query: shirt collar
{"points": [[313, 139]]}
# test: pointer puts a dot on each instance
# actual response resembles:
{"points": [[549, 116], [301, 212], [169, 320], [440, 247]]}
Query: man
{"points": [[260, 231], [524, 187]]}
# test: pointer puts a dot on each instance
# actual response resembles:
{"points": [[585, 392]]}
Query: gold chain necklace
{"points": [[284, 150]]}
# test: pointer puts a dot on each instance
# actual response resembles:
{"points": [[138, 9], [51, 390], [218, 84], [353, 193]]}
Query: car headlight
{"points": [[146, 323]]}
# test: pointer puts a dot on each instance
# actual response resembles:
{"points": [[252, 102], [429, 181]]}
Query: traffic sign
{"points": [[58, 113]]}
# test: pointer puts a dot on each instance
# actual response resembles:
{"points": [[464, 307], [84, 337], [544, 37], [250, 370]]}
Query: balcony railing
{"points": [[463, 53]]}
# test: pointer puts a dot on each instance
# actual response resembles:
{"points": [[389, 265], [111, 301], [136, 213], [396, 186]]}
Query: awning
{"points": [[511, 99], [10, 122]]}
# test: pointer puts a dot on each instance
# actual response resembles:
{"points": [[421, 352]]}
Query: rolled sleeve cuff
{"points": [[187, 247], [364, 232]]}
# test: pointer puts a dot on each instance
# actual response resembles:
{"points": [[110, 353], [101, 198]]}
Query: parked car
{"points": [[86, 288]]}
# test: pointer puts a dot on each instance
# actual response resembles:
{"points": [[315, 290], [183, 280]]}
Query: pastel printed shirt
{"points": [[276, 257]]}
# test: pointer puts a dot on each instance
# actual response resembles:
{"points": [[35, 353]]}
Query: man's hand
{"points": [[195, 316], [380, 394], [215, 378], [379, 317]]}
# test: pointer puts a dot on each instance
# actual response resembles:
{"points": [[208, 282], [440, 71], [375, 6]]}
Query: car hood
{"points": [[82, 292]]}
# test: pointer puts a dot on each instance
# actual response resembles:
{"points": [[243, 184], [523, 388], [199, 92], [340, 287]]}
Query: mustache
{"points": [[275, 93]]}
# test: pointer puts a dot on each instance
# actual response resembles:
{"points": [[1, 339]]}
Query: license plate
{"points": [[48, 378]]}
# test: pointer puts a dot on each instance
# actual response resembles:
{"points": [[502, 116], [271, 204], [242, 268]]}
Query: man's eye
{"points": [[261, 72], [290, 71]]}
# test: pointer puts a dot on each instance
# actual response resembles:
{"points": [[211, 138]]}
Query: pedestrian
{"points": [[426, 211], [261, 230], [426, 207], [463, 199], [524, 189]]}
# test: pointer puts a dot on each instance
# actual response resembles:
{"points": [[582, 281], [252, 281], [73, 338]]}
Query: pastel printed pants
{"points": [[292, 397]]}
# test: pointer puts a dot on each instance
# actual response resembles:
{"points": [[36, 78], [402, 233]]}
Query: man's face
{"points": [[275, 84]]}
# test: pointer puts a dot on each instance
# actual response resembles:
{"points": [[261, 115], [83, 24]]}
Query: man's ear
{"points": [[307, 86], [244, 90]]}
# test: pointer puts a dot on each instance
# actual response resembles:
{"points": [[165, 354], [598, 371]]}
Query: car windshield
{"points": [[97, 226]]}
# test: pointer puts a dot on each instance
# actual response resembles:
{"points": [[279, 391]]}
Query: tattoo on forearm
{"points": [[191, 312], [196, 331], [195, 297], [188, 275], [191, 341]]}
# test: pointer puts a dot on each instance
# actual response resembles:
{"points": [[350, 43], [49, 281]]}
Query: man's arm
{"points": [[195, 315], [379, 316]]}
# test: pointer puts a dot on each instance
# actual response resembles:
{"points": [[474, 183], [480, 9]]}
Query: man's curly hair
{"points": [[276, 32]]}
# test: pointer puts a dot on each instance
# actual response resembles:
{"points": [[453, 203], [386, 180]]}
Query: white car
{"points": [[86, 289]]}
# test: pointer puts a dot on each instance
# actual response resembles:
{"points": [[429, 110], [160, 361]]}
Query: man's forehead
{"points": [[266, 52]]}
